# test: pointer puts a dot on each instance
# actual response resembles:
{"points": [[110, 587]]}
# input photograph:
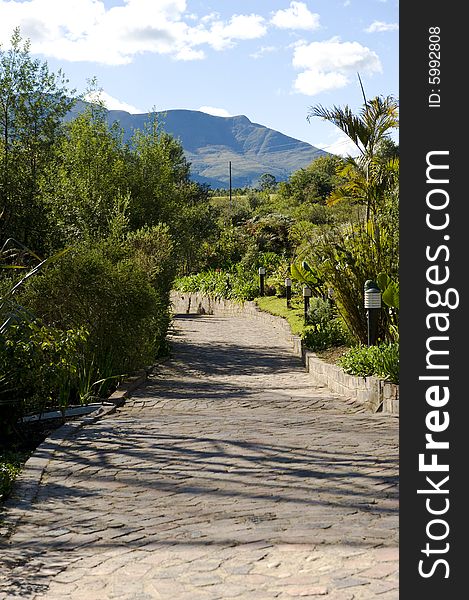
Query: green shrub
{"points": [[318, 335], [39, 368], [323, 329], [237, 284], [321, 337], [382, 361], [114, 291]]}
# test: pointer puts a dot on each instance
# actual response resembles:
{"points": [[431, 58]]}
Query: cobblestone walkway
{"points": [[227, 476]]}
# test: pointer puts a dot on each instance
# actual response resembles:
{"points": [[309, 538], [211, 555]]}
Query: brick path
{"points": [[227, 476]]}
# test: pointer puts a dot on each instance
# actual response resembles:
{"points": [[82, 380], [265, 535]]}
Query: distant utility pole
{"points": [[230, 191]]}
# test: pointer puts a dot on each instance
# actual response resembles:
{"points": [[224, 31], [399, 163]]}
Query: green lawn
{"points": [[278, 306]]}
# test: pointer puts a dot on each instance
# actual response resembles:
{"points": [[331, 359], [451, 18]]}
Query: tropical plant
{"points": [[370, 175], [348, 256], [308, 276]]}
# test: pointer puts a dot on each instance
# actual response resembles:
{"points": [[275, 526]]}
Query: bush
{"points": [[118, 292], [39, 368], [323, 329], [237, 284], [382, 361], [321, 337]]}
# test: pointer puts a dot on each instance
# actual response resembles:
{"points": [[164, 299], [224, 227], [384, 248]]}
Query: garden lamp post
{"points": [[288, 291], [306, 297], [373, 308], [261, 280]]}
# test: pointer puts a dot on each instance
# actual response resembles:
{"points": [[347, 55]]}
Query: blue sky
{"points": [[269, 61]]}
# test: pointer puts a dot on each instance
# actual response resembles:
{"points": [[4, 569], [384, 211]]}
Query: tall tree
{"points": [[159, 170], [369, 174], [33, 102], [86, 179]]}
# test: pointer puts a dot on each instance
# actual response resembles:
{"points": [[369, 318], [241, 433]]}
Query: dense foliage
{"points": [[10, 466], [238, 284], [93, 231]]}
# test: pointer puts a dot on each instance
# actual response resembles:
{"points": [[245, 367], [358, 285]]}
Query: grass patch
{"points": [[278, 307], [324, 330]]}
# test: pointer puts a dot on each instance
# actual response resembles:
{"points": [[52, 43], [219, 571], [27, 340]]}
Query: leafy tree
{"points": [[163, 193], [33, 102], [270, 233], [158, 169], [315, 183], [85, 179], [267, 183]]}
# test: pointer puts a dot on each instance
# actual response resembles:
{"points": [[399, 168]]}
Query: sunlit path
{"points": [[227, 476]]}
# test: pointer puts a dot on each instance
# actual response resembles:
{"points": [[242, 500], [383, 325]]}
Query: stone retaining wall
{"points": [[375, 394]]}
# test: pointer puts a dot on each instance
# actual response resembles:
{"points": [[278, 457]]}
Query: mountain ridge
{"points": [[210, 142]]}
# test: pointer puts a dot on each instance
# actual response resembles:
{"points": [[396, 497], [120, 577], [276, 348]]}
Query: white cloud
{"points": [[312, 82], [217, 112], [245, 27], [262, 50], [187, 53], [298, 16], [222, 35], [84, 30], [213, 16], [379, 26], [327, 65], [112, 103]]}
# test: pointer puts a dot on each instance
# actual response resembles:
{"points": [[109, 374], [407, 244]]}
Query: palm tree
{"points": [[373, 172], [350, 257]]}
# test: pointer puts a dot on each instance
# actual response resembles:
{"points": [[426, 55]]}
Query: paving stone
{"points": [[228, 475]]}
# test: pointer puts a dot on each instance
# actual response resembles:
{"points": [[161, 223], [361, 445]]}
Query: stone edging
{"points": [[376, 395], [27, 483]]}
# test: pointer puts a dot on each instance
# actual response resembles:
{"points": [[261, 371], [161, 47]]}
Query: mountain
{"points": [[211, 142]]}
